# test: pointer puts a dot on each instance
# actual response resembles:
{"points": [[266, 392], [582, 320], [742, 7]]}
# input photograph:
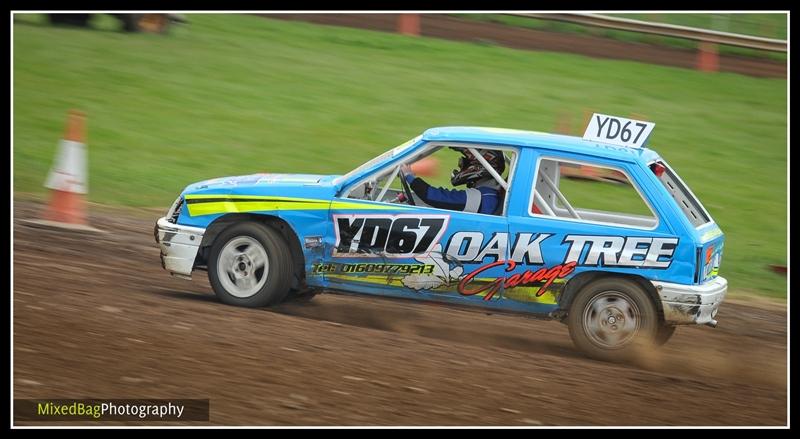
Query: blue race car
{"points": [[620, 260]]}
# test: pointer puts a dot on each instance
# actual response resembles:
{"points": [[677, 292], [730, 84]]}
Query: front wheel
{"points": [[250, 265], [611, 318], [302, 296]]}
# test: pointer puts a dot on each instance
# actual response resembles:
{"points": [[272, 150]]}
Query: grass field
{"points": [[231, 95]]}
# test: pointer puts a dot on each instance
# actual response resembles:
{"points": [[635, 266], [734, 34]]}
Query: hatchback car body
{"points": [[618, 277]]}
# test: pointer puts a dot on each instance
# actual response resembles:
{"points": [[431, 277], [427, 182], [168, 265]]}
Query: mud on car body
{"points": [[618, 276]]}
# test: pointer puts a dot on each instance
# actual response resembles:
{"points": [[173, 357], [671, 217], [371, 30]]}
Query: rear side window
{"points": [[686, 200], [583, 191]]}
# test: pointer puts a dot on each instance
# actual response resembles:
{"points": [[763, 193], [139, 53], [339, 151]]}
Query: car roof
{"points": [[530, 139]]}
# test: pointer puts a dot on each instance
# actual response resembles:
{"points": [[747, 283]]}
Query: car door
{"points": [[415, 252], [578, 214]]}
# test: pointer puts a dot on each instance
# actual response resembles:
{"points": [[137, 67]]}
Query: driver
{"points": [[483, 194]]}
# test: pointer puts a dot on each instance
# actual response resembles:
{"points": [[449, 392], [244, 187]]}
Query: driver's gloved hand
{"points": [[406, 170]]}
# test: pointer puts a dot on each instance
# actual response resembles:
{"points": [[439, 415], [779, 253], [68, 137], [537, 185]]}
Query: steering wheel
{"points": [[406, 188]]}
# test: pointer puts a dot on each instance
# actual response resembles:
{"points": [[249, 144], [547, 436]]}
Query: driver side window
{"points": [[434, 165]]}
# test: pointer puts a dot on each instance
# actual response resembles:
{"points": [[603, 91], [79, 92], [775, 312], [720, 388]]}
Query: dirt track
{"points": [[451, 28], [98, 317]]}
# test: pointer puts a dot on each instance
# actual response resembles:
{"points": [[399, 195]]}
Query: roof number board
{"points": [[618, 131]]}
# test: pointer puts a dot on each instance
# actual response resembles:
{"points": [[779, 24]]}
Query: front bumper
{"points": [[179, 246], [691, 304]]}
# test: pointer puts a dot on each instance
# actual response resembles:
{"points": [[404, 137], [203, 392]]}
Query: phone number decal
{"points": [[373, 268]]}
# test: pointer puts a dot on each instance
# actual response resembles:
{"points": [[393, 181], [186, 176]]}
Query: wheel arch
{"points": [[223, 222], [576, 283]]}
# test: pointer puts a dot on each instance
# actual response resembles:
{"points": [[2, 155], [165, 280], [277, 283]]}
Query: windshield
{"points": [[689, 204], [383, 157]]}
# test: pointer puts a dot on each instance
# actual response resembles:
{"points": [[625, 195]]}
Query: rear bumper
{"points": [[179, 246], [691, 304]]}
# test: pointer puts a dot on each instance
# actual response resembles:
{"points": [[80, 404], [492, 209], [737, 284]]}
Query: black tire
{"points": [[616, 300], [665, 332], [278, 270]]}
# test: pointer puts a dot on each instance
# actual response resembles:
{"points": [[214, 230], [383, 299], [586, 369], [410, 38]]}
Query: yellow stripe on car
{"points": [[257, 203]]}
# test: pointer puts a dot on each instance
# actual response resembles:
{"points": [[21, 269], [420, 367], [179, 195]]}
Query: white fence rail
{"points": [[669, 30]]}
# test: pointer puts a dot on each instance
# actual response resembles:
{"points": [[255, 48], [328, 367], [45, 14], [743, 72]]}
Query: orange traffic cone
{"points": [[67, 180]]}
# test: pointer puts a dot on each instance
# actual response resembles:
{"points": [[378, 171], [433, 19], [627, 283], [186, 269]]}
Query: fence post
{"points": [[587, 117], [707, 57], [408, 24], [564, 123]]}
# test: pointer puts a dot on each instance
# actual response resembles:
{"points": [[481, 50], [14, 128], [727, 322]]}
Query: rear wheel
{"points": [[611, 318], [250, 265]]}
